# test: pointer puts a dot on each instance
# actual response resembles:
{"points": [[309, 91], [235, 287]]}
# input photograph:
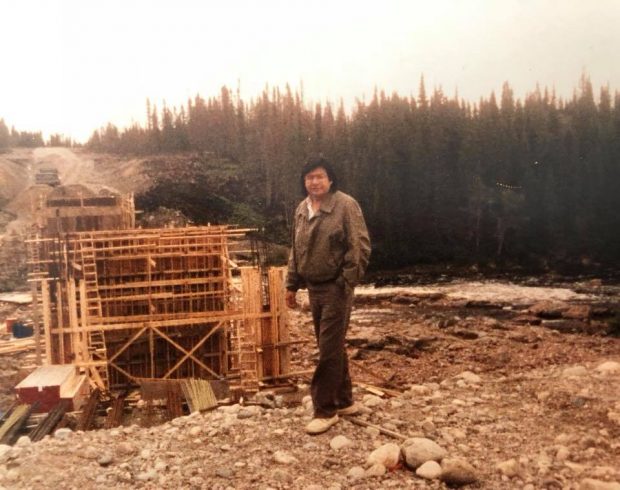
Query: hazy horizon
{"points": [[72, 67]]}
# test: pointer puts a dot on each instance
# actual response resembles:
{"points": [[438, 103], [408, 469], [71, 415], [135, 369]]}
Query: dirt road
{"points": [[20, 196]]}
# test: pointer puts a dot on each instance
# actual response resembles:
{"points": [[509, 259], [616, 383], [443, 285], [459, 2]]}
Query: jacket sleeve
{"points": [[358, 245], [293, 281]]}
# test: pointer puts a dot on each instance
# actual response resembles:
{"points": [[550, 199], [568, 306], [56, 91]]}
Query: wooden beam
{"points": [[182, 349], [194, 349], [47, 320], [127, 344]]}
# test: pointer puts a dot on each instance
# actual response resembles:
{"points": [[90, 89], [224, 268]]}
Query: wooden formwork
{"points": [[73, 211], [161, 304]]}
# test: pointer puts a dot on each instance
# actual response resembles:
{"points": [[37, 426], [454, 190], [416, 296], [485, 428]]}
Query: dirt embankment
{"points": [[20, 195]]}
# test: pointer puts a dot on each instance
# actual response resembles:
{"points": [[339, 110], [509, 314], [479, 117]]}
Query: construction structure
{"points": [[126, 305], [76, 208]]}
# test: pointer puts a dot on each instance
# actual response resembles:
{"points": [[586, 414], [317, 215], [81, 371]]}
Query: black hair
{"points": [[313, 164]]}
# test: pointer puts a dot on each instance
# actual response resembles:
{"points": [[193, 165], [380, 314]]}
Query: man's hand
{"points": [[291, 300]]}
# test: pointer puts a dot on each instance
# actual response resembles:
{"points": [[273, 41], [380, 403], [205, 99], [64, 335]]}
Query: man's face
{"points": [[317, 183]]}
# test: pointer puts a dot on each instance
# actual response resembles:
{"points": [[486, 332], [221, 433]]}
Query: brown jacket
{"points": [[333, 244]]}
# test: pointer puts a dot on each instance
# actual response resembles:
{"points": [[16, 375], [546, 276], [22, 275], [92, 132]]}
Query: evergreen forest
{"points": [[527, 183]]}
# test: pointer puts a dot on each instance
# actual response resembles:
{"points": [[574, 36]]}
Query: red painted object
{"points": [[9, 324], [50, 384]]}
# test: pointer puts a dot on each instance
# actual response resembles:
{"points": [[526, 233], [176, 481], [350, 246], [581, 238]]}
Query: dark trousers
{"points": [[331, 304]]}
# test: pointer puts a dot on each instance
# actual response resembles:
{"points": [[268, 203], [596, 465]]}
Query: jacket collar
{"points": [[327, 205]]}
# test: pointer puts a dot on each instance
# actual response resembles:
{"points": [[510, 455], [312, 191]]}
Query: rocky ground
{"points": [[493, 384], [521, 392]]}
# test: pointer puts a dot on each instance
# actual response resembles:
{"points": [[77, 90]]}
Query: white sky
{"points": [[71, 66]]}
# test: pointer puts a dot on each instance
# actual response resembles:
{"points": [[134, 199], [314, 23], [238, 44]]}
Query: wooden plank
{"points": [[17, 298], [84, 321], [59, 322], [186, 320], [36, 323], [76, 343], [47, 321]]}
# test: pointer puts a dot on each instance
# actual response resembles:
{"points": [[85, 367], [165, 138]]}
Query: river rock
{"points": [[428, 427], [148, 475], [609, 367], [431, 470], [63, 433], [457, 472], [574, 372], [340, 442], [387, 455], [245, 413], [356, 473], [562, 453], [578, 312], [376, 469], [417, 391], [195, 431], [592, 484], [419, 450], [510, 468], [469, 377], [125, 449], [282, 457], [548, 309], [372, 401], [225, 472], [105, 459], [23, 441]]}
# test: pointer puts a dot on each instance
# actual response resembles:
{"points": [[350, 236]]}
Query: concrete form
{"points": [[130, 304]]}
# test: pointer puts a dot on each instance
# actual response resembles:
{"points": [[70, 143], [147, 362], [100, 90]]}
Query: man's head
{"points": [[318, 178]]}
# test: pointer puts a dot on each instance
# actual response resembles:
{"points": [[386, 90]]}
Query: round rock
{"points": [[419, 450], [431, 470], [376, 469], [509, 468], [457, 472], [592, 484], [340, 442], [609, 367], [282, 457], [387, 455], [356, 473], [63, 433], [105, 459]]}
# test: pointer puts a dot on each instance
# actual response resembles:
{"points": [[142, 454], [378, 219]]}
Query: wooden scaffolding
{"points": [[169, 303]]}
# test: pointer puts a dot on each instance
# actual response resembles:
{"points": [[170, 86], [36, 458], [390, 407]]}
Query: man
{"points": [[329, 256]]}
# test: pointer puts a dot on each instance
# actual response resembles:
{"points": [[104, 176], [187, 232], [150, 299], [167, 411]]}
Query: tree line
{"points": [[10, 138], [529, 181]]}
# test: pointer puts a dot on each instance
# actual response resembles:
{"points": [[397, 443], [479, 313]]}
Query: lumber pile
{"points": [[13, 346]]}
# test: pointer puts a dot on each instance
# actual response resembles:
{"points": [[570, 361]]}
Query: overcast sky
{"points": [[71, 66]]}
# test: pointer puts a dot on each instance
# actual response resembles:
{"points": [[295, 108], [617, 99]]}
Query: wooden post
{"points": [[76, 334], [279, 321], [47, 327], [84, 321], [36, 323], [60, 323]]}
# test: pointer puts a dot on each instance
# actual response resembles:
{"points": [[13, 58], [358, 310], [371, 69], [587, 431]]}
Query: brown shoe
{"points": [[352, 409], [318, 426]]}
